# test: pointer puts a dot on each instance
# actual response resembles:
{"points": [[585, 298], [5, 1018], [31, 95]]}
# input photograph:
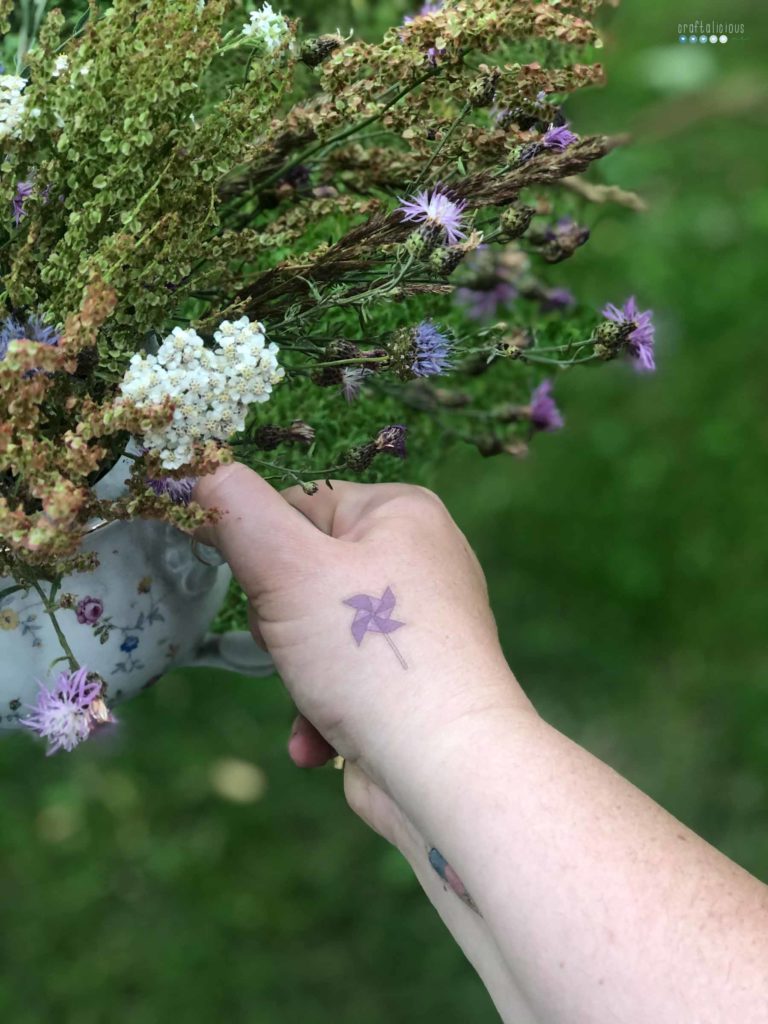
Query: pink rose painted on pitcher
{"points": [[89, 610]]}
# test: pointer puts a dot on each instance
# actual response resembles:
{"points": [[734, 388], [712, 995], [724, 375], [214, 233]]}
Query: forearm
{"points": [[604, 907], [462, 920]]}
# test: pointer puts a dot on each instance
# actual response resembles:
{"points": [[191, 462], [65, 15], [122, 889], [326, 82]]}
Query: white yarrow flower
{"points": [[12, 104], [211, 389], [266, 27], [60, 65]]}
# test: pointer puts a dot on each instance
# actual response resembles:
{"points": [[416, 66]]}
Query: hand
{"points": [[299, 558]]}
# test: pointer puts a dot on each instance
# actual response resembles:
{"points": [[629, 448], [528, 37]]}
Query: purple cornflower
{"points": [[31, 329], [436, 210], [68, 714], [484, 303], [559, 137], [640, 340], [543, 411], [432, 350], [23, 191], [552, 299], [179, 491], [392, 440]]}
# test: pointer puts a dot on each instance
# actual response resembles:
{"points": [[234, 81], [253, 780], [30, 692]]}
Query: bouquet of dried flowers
{"points": [[221, 236]]}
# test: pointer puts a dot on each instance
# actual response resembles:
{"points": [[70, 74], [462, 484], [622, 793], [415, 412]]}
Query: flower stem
{"points": [[343, 135], [351, 362], [457, 121], [48, 604]]}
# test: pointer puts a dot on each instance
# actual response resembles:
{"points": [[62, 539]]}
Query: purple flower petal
{"points": [[543, 410], [432, 350], [640, 340], [436, 209], [67, 714], [558, 137]]}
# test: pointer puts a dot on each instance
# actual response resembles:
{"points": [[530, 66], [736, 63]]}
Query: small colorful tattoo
{"points": [[451, 879], [373, 615]]}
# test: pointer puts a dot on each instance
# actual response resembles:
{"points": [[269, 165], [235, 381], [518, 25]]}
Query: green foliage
{"points": [[627, 562], [188, 170]]}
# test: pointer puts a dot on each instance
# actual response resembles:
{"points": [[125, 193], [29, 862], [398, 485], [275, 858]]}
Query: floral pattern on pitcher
{"points": [[90, 611], [22, 618]]}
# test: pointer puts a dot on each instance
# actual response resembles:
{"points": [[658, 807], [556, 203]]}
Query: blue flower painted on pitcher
{"points": [[129, 644]]}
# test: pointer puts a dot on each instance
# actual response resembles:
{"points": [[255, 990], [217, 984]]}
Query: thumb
{"points": [[257, 531]]}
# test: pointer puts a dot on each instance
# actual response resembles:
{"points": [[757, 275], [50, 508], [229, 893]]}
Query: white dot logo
{"points": [[723, 39], [713, 39], [702, 39]]}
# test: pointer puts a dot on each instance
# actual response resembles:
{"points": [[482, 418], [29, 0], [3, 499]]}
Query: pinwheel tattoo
{"points": [[374, 615]]}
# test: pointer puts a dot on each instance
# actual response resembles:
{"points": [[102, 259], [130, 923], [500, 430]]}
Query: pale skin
{"points": [[583, 901]]}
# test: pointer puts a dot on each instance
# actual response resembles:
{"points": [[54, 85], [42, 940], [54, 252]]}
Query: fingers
{"points": [[258, 529], [306, 747]]}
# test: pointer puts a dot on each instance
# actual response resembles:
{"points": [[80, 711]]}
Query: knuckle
{"points": [[423, 501]]}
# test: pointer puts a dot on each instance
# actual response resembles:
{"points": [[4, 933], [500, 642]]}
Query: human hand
{"points": [[300, 558]]}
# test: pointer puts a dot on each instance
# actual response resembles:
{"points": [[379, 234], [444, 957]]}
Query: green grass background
{"points": [[627, 560]]}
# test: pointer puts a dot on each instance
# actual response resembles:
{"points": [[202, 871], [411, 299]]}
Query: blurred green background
{"points": [[189, 869]]}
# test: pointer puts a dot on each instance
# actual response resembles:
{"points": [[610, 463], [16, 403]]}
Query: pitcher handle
{"points": [[236, 651]]}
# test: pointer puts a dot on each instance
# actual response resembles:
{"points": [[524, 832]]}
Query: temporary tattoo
{"points": [[372, 615], [451, 879]]}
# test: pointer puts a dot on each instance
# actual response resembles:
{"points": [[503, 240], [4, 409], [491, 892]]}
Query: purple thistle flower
{"points": [[392, 440], [179, 491], [559, 137], [432, 350], [561, 240], [552, 299], [484, 303], [31, 329], [640, 340], [543, 411], [436, 210], [23, 191], [68, 714]]}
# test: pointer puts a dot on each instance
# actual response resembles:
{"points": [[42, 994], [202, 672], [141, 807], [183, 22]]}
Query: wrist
{"points": [[442, 711]]}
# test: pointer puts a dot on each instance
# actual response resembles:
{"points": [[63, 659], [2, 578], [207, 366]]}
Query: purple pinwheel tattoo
{"points": [[373, 615]]}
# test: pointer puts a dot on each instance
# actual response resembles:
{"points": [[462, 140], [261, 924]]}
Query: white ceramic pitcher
{"points": [[144, 610]]}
